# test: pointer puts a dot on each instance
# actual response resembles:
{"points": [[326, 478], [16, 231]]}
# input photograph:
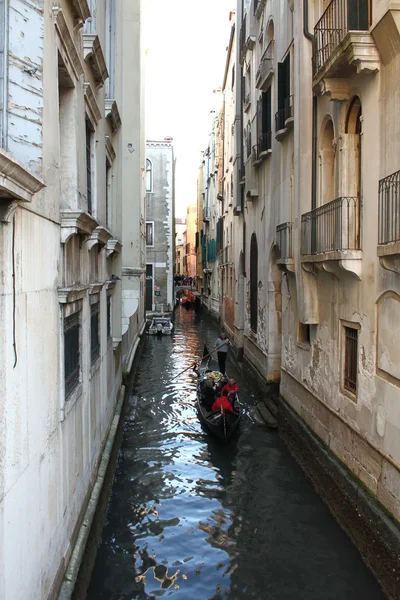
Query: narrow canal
{"points": [[191, 518]]}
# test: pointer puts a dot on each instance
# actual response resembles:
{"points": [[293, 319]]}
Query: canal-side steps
{"points": [[267, 415]]}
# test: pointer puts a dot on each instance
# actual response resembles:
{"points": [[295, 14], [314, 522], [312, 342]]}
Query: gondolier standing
{"points": [[222, 344]]}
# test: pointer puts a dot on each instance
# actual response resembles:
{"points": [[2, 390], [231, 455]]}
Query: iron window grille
{"points": [[389, 209], [71, 352], [350, 359], [94, 332]]}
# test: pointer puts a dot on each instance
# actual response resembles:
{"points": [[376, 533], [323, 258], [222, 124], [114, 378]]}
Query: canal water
{"points": [[193, 519]]}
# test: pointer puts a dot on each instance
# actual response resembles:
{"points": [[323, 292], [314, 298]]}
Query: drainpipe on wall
{"points": [[310, 37]]}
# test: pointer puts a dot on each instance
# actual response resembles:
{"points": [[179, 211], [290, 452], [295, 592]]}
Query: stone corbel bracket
{"points": [[116, 342], [91, 103], [389, 256], [94, 57], [67, 41], [100, 237], [336, 89], [112, 114], [113, 247], [76, 223]]}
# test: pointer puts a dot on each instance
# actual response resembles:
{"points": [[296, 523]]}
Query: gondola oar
{"points": [[202, 358]]}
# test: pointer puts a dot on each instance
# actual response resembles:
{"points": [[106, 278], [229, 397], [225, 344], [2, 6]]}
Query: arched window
{"points": [[149, 176], [353, 143], [253, 283], [327, 164]]}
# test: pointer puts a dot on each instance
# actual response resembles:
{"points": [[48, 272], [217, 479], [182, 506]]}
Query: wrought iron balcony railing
{"points": [[334, 226], [284, 114], [266, 64], [264, 144], [340, 17], [389, 209], [284, 239]]}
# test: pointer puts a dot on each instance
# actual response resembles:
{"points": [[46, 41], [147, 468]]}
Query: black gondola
{"points": [[219, 422]]}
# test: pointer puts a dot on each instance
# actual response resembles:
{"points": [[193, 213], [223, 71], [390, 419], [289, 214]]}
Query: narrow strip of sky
{"points": [[185, 43]]}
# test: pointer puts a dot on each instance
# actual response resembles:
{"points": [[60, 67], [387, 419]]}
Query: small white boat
{"points": [[160, 326]]}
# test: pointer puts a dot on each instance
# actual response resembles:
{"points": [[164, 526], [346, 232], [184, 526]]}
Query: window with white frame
{"points": [[108, 193], [89, 176], [149, 233], [149, 175]]}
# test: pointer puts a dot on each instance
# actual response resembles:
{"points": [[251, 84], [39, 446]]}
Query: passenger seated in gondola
{"points": [[223, 401], [208, 393], [220, 386], [231, 386]]}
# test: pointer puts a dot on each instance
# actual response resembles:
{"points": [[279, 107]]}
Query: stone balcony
{"points": [[330, 237], [343, 44]]}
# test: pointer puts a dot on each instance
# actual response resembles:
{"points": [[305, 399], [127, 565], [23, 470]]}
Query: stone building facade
{"points": [[315, 216], [180, 228], [160, 218], [65, 121]]}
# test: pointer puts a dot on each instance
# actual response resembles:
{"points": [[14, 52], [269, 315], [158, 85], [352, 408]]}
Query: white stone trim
{"points": [[91, 103], [94, 57], [76, 222], [67, 41]]}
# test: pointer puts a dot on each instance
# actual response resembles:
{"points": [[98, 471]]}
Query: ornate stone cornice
{"points": [[81, 9], [100, 237], [113, 247], [112, 114], [76, 222], [72, 293], [67, 41], [16, 183], [91, 103], [132, 271], [94, 56], [110, 285], [95, 288]]}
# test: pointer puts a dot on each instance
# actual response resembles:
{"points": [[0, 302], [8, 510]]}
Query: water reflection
{"points": [[192, 518]]}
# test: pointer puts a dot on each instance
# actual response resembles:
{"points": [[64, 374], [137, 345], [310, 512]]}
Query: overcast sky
{"points": [[185, 44]]}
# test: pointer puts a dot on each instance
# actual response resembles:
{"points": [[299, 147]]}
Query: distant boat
{"points": [[161, 326], [221, 423]]}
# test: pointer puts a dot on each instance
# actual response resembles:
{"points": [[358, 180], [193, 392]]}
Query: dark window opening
{"points": [[253, 283], [303, 336], [89, 166], [350, 359], [284, 101], [94, 332], [109, 316], [71, 352]]}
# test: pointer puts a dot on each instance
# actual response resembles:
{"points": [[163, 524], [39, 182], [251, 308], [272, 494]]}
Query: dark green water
{"points": [[191, 518]]}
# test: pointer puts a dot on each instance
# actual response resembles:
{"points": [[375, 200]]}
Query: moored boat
{"points": [[160, 326], [222, 423]]}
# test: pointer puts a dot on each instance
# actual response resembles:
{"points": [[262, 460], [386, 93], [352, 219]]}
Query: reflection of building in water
{"points": [[160, 234]]}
